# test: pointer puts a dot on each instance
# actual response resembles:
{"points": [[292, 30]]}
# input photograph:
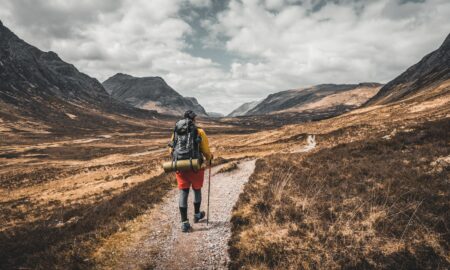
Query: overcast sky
{"points": [[225, 53]]}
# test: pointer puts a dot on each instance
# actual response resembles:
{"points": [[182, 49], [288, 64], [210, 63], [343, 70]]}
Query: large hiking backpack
{"points": [[186, 141]]}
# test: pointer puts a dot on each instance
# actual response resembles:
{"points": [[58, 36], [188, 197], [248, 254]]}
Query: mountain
{"points": [[27, 71], [215, 115], [244, 108], [322, 97], [39, 91], [430, 72], [150, 93]]}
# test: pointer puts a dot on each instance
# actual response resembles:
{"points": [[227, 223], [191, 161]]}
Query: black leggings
{"points": [[184, 193], [183, 202]]}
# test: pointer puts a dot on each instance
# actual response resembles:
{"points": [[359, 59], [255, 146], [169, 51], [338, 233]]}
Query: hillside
{"points": [[374, 203], [215, 115], [243, 109], [150, 93], [41, 93], [372, 194], [338, 97], [433, 70]]}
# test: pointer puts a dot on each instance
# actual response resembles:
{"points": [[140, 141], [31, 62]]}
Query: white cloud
{"points": [[294, 47], [274, 44], [274, 4]]}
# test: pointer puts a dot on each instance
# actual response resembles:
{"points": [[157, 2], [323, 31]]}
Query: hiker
{"points": [[190, 142]]}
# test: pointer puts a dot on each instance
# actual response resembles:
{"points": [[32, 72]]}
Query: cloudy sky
{"points": [[229, 52]]}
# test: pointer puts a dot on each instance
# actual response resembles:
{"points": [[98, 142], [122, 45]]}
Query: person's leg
{"points": [[183, 203], [197, 200], [197, 184]]}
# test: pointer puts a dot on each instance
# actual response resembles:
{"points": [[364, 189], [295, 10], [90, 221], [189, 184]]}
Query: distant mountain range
{"points": [[244, 108], [40, 92], [427, 79], [316, 98], [215, 115], [430, 72], [150, 93]]}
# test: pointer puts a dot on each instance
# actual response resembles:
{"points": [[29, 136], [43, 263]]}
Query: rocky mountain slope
{"points": [[432, 71], [244, 108], [40, 92], [151, 93], [337, 97]]}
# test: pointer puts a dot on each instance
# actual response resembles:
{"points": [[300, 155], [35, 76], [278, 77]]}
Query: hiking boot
{"points": [[199, 216], [185, 226]]}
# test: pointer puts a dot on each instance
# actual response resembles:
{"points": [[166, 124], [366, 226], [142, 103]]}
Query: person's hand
{"points": [[210, 160]]}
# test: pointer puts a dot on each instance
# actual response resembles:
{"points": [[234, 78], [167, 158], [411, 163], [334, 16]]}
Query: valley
{"points": [[331, 176], [70, 195]]}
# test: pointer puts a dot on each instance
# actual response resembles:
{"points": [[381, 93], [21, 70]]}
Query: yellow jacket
{"points": [[204, 145]]}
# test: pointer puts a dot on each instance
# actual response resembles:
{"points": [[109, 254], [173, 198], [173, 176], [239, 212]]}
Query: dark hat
{"points": [[190, 114]]}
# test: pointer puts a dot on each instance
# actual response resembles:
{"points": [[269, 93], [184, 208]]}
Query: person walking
{"points": [[190, 142]]}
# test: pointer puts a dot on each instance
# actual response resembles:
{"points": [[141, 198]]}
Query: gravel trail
{"points": [[159, 243]]}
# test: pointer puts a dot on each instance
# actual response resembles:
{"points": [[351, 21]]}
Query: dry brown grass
{"points": [[59, 198], [360, 205], [46, 244], [231, 166], [61, 195]]}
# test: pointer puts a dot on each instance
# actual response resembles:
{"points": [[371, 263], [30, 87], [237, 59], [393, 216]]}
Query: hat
{"points": [[190, 114]]}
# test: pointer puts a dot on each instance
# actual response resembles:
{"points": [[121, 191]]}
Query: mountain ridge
{"points": [[311, 98], [244, 108], [150, 93], [39, 88], [432, 69]]}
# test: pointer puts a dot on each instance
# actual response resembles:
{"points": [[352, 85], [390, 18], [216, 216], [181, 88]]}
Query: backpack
{"points": [[186, 141]]}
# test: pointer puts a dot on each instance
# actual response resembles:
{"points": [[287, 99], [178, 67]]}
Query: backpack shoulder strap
{"points": [[173, 143]]}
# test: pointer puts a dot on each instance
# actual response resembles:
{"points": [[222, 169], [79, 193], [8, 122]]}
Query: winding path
{"points": [[156, 242]]}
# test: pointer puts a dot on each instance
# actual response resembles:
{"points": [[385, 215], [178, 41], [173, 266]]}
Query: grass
{"points": [[67, 238], [231, 166], [379, 204]]}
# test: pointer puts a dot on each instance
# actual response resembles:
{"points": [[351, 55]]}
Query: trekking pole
{"points": [[209, 191]]}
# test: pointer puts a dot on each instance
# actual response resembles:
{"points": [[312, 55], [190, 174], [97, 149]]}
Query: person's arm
{"points": [[204, 145]]}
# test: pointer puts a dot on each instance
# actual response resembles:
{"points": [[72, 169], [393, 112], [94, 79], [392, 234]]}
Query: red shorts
{"points": [[187, 178]]}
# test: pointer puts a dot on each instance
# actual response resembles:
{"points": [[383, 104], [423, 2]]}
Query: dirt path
{"points": [[155, 240]]}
